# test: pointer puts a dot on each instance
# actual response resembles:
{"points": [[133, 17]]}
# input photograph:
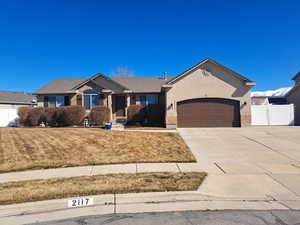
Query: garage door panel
{"points": [[208, 112]]}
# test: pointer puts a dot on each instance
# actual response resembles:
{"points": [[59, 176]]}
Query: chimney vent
{"points": [[165, 75]]}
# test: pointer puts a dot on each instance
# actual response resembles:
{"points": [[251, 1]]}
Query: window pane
{"points": [[87, 101], [60, 101], [52, 101], [95, 100], [143, 100], [67, 100], [151, 99], [90, 91]]}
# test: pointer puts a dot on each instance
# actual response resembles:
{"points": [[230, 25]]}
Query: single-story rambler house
{"points": [[205, 95], [293, 97], [13, 100], [10, 101]]}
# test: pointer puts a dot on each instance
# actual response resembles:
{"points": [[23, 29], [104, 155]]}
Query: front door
{"points": [[120, 105]]}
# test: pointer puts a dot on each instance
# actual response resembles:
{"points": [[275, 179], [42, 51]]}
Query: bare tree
{"points": [[122, 71]]}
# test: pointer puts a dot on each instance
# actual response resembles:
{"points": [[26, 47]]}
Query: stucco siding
{"points": [[208, 81], [294, 98]]}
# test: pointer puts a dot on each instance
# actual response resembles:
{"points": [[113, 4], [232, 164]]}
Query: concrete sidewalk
{"points": [[102, 169], [25, 213]]}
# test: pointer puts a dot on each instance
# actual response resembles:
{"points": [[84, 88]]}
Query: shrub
{"points": [[154, 115], [135, 114], [59, 118], [49, 116], [99, 115], [71, 115], [35, 116], [23, 115]]}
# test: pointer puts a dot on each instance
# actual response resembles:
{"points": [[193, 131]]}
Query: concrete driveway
{"points": [[255, 163]]}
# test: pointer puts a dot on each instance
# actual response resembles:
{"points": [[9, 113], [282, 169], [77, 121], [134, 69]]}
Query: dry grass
{"points": [[36, 148], [36, 190]]}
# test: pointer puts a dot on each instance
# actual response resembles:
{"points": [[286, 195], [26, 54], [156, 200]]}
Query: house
{"points": [[293, 97], [274, 97], [205, 95], [12, 100], [271, 108], [9, 102]]}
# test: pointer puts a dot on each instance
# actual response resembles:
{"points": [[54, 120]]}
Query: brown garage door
{"points": [[208, 112]]}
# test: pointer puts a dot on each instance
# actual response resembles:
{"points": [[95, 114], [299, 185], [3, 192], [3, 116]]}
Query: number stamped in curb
{"points": [[79, 202]]}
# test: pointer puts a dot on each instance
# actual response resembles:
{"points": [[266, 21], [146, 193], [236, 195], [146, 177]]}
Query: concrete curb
{"points": [[133, 203]]}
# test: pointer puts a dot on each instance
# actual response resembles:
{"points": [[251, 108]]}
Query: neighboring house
{"points": [[271, 108], [274, 97], [12, 100], [206, 95], [293, 97], [9, 102]]}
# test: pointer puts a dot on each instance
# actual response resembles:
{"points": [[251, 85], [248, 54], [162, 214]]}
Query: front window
{"points": [[148, 100], [57, 101], [60, 101], [90, 99], [52, 101]]}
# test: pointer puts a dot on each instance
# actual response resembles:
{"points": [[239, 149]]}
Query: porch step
{"points": [[120, 121], [118, 126]]}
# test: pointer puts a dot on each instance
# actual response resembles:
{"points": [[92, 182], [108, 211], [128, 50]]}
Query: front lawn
{"points": [[36, 148], [148, 128], [36, 190]]}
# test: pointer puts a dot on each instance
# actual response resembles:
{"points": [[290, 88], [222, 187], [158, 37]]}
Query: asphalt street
{"points": [[225, 217]]}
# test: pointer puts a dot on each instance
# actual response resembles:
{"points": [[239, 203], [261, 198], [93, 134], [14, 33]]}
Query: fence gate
{"points": [[272, 115]]}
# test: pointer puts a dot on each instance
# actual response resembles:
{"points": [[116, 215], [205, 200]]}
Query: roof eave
{"points": [[11, 102], [55, 93], [250, 84], [96, 76], [292, 90], [295, 77], [212, 61]]}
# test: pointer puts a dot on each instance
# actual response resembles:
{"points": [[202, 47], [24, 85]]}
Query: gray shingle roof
{"points": [[60, 85], [136, 84], [142, 84], [10, 97]]}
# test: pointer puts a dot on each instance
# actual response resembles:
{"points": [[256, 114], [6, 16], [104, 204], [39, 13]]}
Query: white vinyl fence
{"points": [[8, 117], [272, 114]]}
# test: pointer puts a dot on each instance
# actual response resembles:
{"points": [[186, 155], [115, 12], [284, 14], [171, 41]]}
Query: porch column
{"points": [[127, 103], [104, 100], [109, 105]]}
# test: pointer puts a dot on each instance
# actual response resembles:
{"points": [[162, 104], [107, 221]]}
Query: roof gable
{"points": [[70, 85], [195, 67], [103, 81]]}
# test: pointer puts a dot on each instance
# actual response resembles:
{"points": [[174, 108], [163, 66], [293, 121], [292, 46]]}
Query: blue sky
{"points": [[43, 40]]}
